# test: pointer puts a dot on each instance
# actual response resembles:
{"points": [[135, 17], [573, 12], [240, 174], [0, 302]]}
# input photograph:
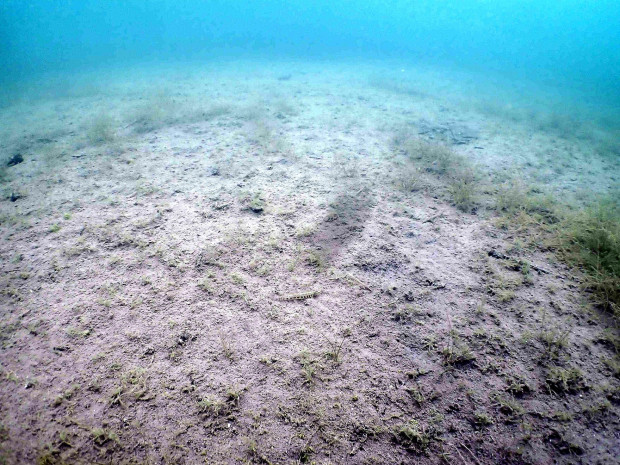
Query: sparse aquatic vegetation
{"points": [[526, 204], [590, 239], [416, 437], [463, 192], [101, 130], [562, 380], [438, 158], [152, 114]]}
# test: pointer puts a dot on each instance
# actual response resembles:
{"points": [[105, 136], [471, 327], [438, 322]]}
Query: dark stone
{"points": [[15, 160], [15, 196]]}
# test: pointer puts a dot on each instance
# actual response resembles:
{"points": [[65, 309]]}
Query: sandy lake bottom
{"points": [[286, 263]]}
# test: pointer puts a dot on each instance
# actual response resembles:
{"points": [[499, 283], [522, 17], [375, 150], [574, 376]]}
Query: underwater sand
{"points": [[170, 223]]}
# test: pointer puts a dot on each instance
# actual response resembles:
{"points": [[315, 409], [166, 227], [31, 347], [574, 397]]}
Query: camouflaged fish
{"points": [[300, 296]]}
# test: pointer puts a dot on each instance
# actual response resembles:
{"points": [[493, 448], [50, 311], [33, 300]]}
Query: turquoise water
{"points": [[570, 48]]}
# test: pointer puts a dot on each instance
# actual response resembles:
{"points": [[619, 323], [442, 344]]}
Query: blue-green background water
{"points": [[570, 46]]}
